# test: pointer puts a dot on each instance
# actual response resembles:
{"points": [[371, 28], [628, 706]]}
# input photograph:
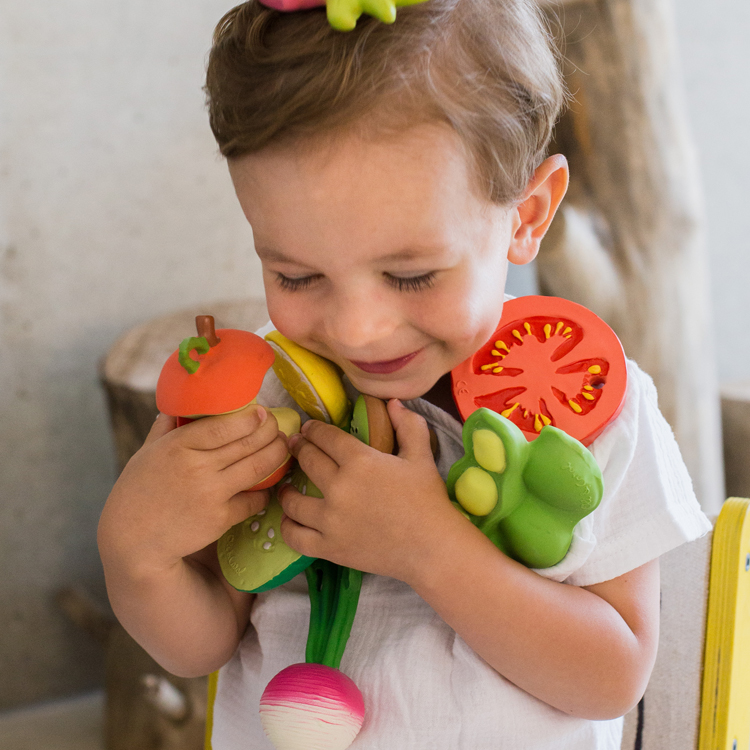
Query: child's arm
{"points": [[588, 652], [173, 500]]}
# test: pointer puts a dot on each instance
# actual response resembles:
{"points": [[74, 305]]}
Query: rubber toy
{"points": [[526, 497], [344, 14], [371, 423], [549, 362], [253, 554], [225, 377], [314, 706], [313, 382]]}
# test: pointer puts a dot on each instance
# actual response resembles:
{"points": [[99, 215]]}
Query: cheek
{"points": [[286, 314], [468, 313], [487, 296]]}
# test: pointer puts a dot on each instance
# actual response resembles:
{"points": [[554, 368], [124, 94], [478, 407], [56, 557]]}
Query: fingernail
{"points": [[304, 428], [262, 415], [293, 440], [397, 402]]}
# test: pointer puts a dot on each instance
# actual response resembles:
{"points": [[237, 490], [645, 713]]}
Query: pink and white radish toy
{"points": [[314, 706]]}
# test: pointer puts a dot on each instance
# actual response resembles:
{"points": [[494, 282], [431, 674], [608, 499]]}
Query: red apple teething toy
{"points": [[225, 376]]}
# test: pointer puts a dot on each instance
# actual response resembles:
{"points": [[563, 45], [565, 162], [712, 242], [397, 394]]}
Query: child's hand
{"points": [[378, 510], [185, 487]]}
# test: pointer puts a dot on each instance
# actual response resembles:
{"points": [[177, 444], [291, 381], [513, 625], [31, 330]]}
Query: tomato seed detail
{"points": [[510, 411], [542, 331]]}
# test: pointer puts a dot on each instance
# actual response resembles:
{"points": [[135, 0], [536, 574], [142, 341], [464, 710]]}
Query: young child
{"points": [[389, 174]]}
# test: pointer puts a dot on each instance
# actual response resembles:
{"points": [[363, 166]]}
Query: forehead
{"points": [[413, 186]]}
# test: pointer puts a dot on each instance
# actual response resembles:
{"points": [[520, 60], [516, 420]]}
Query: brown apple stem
{"points": [[205, 326]]}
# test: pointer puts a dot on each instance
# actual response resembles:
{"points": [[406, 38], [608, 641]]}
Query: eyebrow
{"points": [[270, 254]]}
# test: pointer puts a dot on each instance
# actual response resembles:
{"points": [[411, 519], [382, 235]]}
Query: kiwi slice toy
{"points": [[371, 423]]}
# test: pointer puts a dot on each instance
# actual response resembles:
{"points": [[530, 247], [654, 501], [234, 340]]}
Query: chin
{"points": [[404, 390]]}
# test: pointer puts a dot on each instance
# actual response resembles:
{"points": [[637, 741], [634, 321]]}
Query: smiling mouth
{"points": [[387, 366]]}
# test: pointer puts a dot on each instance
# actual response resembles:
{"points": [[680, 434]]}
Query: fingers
{"points": [[248, 443], [301, 538], [245, 504], [304, 510], [162, 425], [412, 433], [252, 468], [218, 431], [332, 441], [315, 462]]}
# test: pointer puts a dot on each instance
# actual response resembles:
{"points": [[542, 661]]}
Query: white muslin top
{"points": [[424, 688]]}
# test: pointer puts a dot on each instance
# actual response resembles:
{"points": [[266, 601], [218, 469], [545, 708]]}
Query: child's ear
{"points": [[535, 211]]}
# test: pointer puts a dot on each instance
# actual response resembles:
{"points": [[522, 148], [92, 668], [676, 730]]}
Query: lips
{"points": [[387, 366]]}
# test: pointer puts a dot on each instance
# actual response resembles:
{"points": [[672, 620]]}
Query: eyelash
{"points": [[403, 284], [294, 285], [411, 283]]}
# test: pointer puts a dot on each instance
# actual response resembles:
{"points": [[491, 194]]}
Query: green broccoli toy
{"points": [[526, 497]]}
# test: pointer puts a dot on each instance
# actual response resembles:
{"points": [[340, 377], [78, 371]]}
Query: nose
{"points": [[360, 322]]}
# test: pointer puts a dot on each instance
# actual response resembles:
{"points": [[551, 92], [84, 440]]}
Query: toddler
{"points": [[389, 175]]}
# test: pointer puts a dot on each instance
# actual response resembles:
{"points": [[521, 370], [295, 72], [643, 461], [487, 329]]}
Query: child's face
{"points": [[379, 255]]}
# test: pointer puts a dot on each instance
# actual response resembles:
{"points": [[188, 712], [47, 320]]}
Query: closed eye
{"points": [[292, 284], [411, 283]]}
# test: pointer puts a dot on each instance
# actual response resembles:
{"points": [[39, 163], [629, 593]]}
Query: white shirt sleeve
{"points": [[649, 506]]}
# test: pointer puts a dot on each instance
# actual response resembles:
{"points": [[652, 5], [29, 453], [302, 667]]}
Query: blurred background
{"points": [[115, 208]]}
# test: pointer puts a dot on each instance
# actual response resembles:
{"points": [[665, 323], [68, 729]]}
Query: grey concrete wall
{"points": [[114, 209]]}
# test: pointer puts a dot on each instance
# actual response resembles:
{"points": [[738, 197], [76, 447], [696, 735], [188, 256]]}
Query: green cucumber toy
{"points": [[253, 555]]}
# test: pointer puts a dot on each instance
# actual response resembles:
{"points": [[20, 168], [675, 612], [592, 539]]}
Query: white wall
{"points": [[114, 209], [716, 63]]}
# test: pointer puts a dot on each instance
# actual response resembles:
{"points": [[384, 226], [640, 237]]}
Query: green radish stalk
{"points": [[314, 706]]}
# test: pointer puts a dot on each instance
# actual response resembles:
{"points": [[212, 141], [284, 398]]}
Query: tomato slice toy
{"points": [[550, 362]]}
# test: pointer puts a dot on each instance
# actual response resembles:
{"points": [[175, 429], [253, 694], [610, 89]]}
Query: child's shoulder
{"points": [[639, 422], [649, 505]]}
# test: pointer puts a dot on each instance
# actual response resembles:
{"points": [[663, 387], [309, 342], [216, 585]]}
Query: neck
{"points": [[441, 394]]}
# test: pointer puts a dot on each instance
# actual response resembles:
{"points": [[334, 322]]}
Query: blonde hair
{"points": [[487, 68]]}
